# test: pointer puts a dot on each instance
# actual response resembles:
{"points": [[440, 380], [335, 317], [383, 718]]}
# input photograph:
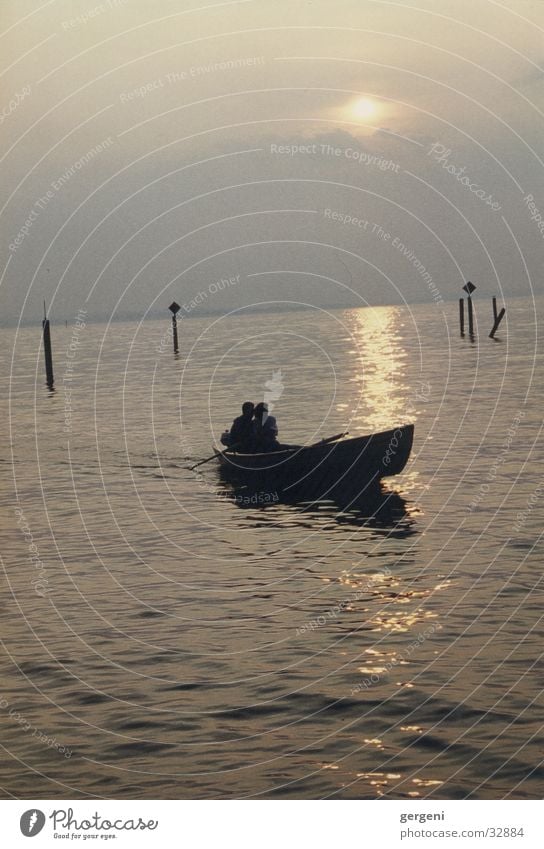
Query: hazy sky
{"points": [[345, 152]]}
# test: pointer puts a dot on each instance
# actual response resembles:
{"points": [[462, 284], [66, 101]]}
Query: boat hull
{"points": [[348, 467]]}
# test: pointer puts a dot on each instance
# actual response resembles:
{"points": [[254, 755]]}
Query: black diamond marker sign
{"points": [[468, 287], [174, 308]]}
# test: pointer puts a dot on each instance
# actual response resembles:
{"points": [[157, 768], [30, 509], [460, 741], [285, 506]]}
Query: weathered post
{"points": [[498, 320], [469, 289], [462, 316], [174, 309], [47, 350]]}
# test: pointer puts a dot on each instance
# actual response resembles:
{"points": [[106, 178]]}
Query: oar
{"points": [[321, 441], [232, 447], [329, 439], [221, 454]]}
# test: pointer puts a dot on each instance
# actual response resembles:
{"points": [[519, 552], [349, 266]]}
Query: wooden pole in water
{"points": [[498, 320], [469, 289], [174, 308], [47, 349], [462, 316], [470, 316], [494, 309]]}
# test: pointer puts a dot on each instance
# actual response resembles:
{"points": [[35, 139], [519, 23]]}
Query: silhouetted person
{"points": [[242, 432], [266, 429]]}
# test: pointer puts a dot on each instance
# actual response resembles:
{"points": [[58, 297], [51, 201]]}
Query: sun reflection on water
{"points": [[379, 365]]}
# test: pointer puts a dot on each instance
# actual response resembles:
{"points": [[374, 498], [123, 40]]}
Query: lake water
{"points": [[162, 640]]}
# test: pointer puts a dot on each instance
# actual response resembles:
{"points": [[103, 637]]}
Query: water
{"points": [[161, 640]]}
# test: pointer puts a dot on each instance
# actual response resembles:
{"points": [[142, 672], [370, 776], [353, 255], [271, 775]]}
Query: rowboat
{"points": [[348, 467]]}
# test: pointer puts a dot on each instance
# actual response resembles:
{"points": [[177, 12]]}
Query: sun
{"points": [[363, 109]]}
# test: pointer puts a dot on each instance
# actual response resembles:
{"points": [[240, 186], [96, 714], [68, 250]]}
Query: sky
{"points": [[230, 154]]}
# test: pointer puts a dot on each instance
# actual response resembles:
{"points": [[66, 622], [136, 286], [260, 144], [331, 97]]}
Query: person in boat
{"points": [[243, 430], [266, 430]]}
